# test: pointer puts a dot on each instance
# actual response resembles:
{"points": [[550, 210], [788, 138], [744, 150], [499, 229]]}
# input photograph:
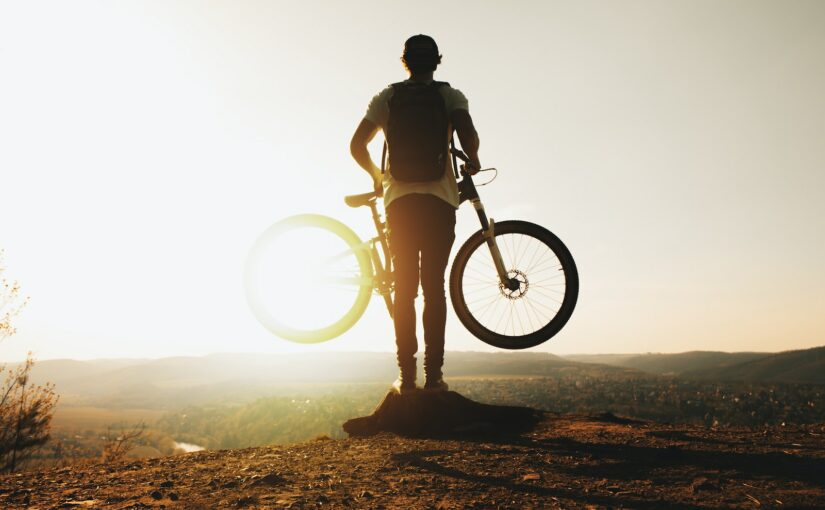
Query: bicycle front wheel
{"points": [[515, 318], [308, 278]]}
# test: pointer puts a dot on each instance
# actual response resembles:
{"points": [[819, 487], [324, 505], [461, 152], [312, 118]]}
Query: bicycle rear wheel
{"points": [[308, 278], [524, 317]]}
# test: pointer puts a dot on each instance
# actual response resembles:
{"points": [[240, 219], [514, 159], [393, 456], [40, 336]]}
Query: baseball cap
{"points": [[420, 46]]}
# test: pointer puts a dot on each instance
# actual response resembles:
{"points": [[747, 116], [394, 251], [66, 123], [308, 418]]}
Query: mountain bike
{"points": [[309, 278]]}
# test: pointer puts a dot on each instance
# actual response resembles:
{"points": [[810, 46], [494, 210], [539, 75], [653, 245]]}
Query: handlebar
{"points": [[467, 166]]}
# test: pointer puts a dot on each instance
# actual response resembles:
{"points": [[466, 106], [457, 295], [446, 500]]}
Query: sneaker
{"points": [[436, 385], [404, 386]]}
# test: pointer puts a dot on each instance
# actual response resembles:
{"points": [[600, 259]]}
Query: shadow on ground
{"points": [[601, 460]]}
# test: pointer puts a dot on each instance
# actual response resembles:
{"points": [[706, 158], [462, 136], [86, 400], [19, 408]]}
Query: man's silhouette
{"points": [[417, 117]]}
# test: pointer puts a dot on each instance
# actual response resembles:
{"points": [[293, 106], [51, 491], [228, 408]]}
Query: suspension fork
{"points": [[488, 227]]}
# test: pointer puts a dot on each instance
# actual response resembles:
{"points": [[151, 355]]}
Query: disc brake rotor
{"points": [[521, 278]]}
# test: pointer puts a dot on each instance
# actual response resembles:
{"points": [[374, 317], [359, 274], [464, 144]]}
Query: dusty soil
{"points": [[564, 462]]}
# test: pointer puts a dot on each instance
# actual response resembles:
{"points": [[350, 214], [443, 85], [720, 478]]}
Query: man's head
{"points": [[420, 54]]}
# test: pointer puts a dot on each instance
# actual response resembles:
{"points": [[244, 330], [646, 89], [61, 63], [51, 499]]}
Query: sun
{"points": [[308, 278]]}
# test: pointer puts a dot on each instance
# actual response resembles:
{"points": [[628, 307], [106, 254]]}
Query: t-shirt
{"points": [[378, 112]]}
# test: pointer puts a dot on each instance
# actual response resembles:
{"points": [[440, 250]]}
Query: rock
{"points": [[703, 484], [609, 417], [270, 479], [423, 413], [231, 484], [156, 494], [246, 501], [85, 503], [362, 427]]}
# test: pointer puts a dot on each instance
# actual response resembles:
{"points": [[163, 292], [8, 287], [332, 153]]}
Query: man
{"points": [[417, 117]]}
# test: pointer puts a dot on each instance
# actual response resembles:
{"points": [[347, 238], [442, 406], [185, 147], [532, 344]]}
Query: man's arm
{"points": [[467, 135], [363, 135]]}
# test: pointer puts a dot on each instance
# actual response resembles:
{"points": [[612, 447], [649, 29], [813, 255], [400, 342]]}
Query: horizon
{"points": [[501, 351], [675, 148]]}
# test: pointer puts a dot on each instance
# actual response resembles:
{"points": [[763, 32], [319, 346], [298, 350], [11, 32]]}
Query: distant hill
{"points": [[170, 382], [803, 366], [603, 359], [673, 364]]}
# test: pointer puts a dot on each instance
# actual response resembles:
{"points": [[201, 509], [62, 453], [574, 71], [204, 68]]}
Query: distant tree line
{"points": [[662, 399]]}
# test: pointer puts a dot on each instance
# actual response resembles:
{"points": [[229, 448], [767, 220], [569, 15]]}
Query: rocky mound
{"points": [[423, 413]]}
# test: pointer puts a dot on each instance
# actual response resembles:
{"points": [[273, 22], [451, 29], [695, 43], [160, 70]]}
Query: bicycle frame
{"points": [[383, 278]]}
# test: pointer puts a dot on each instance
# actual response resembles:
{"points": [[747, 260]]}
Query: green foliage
{"points": [[25, 408], [273, 420], [25, 416]]}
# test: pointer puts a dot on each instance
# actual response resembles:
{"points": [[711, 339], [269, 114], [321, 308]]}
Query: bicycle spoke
{"points": [[490, 303], [541, 305], [537, 252], [547, 296], [543, 264], [531, 316], [518, 316], [484, 299], [353, 281]]}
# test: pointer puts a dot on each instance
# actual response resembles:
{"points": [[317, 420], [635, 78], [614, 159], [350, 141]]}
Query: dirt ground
{"points": [[566, 461]]}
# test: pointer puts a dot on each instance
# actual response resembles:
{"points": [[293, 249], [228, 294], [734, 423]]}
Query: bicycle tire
{"points": [[359, 277], [547, 322]]}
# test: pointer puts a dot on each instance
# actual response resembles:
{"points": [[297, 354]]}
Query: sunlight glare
{"points": [[303, 279]]}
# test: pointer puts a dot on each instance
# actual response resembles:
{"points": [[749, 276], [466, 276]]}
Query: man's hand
{"points": [[473, 166]]}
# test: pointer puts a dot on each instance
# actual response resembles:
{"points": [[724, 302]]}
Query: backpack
{"points": [[417, 132]]}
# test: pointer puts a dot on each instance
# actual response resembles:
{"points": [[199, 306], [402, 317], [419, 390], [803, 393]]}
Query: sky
{"points": [[675, 147]]}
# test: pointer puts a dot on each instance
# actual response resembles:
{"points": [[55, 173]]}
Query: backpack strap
{"points": [[384, 157], [404, 83], [452, 153]]}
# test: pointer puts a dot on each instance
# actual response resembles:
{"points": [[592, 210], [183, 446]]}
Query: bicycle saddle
{"points": [[360, 199]]}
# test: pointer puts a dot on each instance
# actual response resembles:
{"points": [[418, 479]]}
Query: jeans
{"points": [[421, 234]]}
